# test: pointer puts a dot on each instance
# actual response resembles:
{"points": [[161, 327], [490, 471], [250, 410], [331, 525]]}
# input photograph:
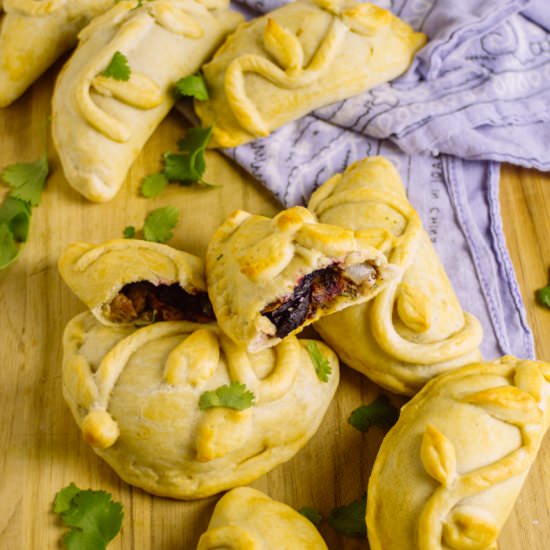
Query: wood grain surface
{"points": [[41, 447]]}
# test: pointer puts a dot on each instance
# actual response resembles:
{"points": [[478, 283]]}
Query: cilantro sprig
{"points": [[320, 362], [380, 413], [191, 86], [158, 225], [118, 68], [26, 181], [312, 514], [185, 167], [232, 396], [349, 520], [542, 295], [93, 517]]}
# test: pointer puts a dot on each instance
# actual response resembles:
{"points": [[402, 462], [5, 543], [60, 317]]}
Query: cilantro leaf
{"points": [[92, 516], [192, 86], [379, 413], [27, 179], [159, 224], [349, 520], [195, 140], [313, 515], [16, 214], [8, 247], [543, 296], [320, 362], [153, 184], [118, 67], [129, 232], [233, 396]]}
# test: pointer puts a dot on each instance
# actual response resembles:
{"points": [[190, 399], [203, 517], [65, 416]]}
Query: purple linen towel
{"points": [[478, 93]]}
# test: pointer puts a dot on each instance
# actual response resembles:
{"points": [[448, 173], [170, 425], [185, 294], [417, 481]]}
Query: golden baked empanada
{"points": [[100, 123], [415, 328], [302, 56], [129, 281], [137, 395], [448, 473], [245, 518], [270, 277], [34, 33]]}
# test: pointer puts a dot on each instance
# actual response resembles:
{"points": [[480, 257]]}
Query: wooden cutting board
{"points": [[42, 449]]}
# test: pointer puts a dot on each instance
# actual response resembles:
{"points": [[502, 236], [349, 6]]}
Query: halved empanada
{"points": [[135, 393], [34, 33], [415, 328], [297, 58], [129, 281], [247, 519], [100, 124], [448, 473], [268, 278]]}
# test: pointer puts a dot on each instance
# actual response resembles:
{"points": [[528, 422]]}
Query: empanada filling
{"points": [[144, 302], [319, 289]]}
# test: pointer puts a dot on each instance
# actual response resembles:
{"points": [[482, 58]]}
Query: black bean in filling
{"points": [[143, 302], [315, 290]]}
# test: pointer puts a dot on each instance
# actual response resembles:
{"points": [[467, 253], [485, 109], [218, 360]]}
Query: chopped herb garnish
{"points": [[153, 184], [543, 295], [129, 232], [379, 413], [159, 224], [320, 362], [118, 68], [349, 520], [233, 396], [313, 515], [192, 86], [27, 179]]}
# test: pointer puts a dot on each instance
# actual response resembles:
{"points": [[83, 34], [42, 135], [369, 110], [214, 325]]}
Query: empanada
{"points": [[99, 123], [135, 393], [448, 473], [415, 328], [302, 56], [247, 519], [129, 281], [34, 33], [269, 277]]}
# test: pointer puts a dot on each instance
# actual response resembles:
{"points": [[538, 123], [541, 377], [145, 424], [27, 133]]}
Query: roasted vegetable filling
{"points": [[144, 303], [317, 290]]}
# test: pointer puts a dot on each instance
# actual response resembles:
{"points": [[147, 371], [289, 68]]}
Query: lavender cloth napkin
{"points": [[477, 94]]}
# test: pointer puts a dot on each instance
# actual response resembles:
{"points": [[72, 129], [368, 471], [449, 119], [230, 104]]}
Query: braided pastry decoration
{"points": [[246, 519], [415, 328], [100, 123], [34, 33], [135, 394], [297, 58], [448, 473]]}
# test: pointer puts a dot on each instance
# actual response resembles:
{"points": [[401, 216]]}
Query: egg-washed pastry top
{"points": [[448, 473], [130, 281], [415, 328], [270, 277], [101, 120], [302, 56], [245, 518], [138, 396], [34, 33]]}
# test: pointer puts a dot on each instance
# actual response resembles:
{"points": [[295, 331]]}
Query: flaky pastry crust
{"points": [[246, 518], [297, 58], [448, 473], [100, 124], [135, 395], [270, 277], [415, 328], [98, 273], [34, 33]]}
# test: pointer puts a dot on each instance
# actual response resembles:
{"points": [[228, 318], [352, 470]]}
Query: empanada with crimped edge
{"points": [[415, 328], [99, 123], [135, 394], [448, 473], [302, 56], [34, 33], [270, 277], [130, 281], [246, 518]]}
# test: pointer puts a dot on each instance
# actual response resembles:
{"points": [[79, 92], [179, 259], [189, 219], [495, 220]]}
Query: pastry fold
{"points": [[448, 473], [99, 123], [129, 281], [248, 519], [415, 328], [270, 277], [302, 56], [136, 394], [34, 33]]}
